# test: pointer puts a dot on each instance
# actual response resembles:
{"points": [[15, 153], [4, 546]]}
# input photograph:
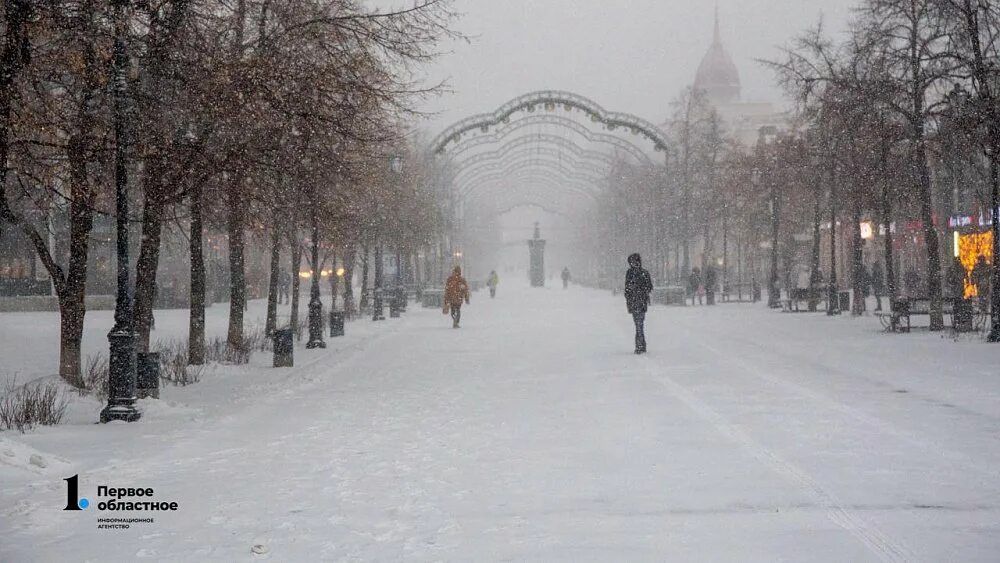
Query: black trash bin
{"points": [[283, 348], [845, 301], [336, 323], [403, 298], [147, 380]]}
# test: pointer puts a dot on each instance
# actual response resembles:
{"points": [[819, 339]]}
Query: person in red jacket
{"points": [[456, 290]]}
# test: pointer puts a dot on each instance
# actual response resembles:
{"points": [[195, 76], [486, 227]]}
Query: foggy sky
{"points": [[627, 55]]}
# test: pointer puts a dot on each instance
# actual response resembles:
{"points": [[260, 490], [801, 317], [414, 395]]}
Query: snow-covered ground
{"points": [[533, 433]]}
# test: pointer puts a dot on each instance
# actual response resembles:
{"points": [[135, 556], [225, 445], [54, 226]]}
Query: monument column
{"points": [[536, 247]]}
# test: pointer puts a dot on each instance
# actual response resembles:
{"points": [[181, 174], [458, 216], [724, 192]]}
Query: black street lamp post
{"points": [[833, 299], [378, 291], [315, 304], [378, 309], [773, 294], [121, 339]]}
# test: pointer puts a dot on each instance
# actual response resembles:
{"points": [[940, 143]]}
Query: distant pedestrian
{"points": [[911, 281], [955, 279], [492, 282], [638, 286], [878, 284], [694, 286], [284, 288], [981, 279], [456, 292], [710, 283], [863, 285], [565, 277]]}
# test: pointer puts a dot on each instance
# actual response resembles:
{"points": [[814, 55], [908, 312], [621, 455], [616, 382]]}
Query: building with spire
{"points": [[719, 78], [717, 74]]}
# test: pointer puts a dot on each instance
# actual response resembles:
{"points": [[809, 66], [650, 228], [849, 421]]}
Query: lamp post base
{"points": [[315, 325], [122, 378], [124, 412]]}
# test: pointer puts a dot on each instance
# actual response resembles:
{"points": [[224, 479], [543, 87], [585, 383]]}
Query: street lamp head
{"points": [[396, 164]]}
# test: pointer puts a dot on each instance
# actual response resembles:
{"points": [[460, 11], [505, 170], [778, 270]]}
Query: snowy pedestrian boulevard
{"points": [[533, 433]]}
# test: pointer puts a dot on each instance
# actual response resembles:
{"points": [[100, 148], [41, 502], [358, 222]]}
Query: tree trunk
{"points": [[994, 334], [293, 318], [364, 278], [196, 319], [857, 261], [833, 302], [272, 286], [930, 233], [237, 264], [146, 267], [14, 57], [72, 301], [71, 315], [349, 282], [72, 298], [886, 210], [428, 268], [417, 282], [333, 283]]}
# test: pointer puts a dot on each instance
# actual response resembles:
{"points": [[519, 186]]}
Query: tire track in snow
{"points": [[882, 545]]}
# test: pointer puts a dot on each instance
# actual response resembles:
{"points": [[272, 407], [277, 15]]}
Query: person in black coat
{"points": [[694, 286], [638, 286], [981, 279], [878, 284], [710, 282], [954, 280]]}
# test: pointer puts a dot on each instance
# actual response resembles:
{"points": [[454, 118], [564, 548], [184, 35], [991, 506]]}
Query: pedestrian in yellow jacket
{"points": [[492, 282], [456, 291]]}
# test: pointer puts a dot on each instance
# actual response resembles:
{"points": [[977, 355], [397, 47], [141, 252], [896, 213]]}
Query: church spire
{"points": [[717, 75]]}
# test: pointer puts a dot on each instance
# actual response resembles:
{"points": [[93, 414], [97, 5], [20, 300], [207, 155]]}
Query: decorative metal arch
{"points": [[594, 137], [529, 159], [556, 187], [522, 142], [509, 201], [550, 100], [536, 204], [500, 198], [513, 168], [576, 186]]}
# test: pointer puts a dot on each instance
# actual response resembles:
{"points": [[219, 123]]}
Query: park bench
{"points": [[432, 298], [803, 295], [901, 310], [745, 292], [668, 295]]}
